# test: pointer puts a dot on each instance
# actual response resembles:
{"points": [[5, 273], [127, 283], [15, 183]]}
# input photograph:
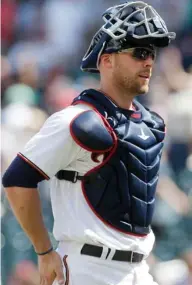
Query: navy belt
{"points": [[119, 255]]}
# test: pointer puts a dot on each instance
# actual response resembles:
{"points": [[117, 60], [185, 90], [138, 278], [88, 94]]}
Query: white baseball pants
{"points": [[87, 270]]}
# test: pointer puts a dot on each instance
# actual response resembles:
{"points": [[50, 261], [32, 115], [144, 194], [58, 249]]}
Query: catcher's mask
{"points": [[127, 25]]}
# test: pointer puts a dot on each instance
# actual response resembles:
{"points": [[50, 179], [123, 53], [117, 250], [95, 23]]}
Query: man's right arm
{"points": [[25, 203], [45, 154], [20, 181], [49, 151]]}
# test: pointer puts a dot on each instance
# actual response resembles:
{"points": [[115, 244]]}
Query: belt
{"points": [[119, 255]]}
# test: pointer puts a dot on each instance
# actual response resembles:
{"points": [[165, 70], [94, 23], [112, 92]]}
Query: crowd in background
{"points": [[43, 42]]}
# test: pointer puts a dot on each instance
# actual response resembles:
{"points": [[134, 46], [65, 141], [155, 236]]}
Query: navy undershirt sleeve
{"points": [[21, 174]]}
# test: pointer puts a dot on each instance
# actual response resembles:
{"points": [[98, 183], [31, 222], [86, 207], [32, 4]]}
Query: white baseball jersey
{"points": [[53, 149]]}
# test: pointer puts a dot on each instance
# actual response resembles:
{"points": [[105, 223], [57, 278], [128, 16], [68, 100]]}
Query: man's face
{"points": [[131, 74]]}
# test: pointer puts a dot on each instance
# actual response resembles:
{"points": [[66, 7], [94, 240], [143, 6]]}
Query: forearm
{"points": [[26, 206]]}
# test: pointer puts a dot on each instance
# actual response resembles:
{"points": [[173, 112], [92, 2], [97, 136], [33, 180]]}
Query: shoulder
{"points": [[66, 116]]}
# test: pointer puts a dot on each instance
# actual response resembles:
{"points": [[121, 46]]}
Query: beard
{"points": [[133, 85]]}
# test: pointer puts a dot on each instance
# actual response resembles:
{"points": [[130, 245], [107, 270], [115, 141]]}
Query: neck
{"points": [[121, 98]]}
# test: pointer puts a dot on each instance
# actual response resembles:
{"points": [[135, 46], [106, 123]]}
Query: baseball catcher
{"points": [[102, 156]]}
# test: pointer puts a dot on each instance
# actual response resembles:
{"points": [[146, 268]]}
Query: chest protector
{"points": [[121, 190]]}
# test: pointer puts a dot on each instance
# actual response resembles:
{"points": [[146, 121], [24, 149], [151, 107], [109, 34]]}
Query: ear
{"points": [[106, 60]]}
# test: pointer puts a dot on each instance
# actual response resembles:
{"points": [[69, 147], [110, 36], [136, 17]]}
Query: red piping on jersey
{"points": [[99, 166], [33, 165], [82, 145]]}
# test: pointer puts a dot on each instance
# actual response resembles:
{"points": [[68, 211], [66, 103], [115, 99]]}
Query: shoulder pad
{"points": [[88, 130], [152, 118], [159, 120]]}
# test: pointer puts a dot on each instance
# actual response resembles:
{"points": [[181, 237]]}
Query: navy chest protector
{"points": [[121, 190]]}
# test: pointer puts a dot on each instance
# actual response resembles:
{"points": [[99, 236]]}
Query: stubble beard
{"points": [[129, 85]]}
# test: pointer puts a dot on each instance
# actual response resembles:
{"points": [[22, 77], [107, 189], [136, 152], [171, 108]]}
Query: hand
{"points": [[50, 268]]}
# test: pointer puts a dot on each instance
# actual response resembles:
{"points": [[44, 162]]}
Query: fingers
{"points": [[43, 281], [60, 275], [51, 269], [47, 280]]}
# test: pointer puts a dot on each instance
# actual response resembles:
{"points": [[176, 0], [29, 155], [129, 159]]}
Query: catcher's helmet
{"points": [[126, 25]]}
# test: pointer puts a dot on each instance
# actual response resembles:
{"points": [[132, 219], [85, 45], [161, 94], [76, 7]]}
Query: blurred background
{"points": [[42, 43]]}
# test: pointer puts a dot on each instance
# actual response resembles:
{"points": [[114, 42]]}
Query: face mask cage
{"points": [[136, 19], [126, 25]]}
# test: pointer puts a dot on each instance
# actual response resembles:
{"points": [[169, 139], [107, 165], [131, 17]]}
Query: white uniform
{"points": [[51, 150]]}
